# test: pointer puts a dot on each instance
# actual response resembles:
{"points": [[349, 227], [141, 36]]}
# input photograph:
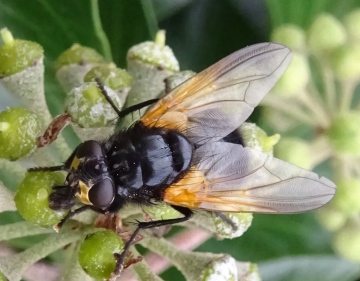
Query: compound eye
{"points": [[102, 193], [89, 148]]}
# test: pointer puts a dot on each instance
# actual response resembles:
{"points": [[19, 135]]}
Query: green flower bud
{"points": [[255, 137], [295, 78], [17, 55], [330, 217], [175, 80], [2, 277], [88, 107], [345, 62], [352, 24], [223, 269], [291, 36], [73, 64], [344, 133], [111, 76], [248, 271], [149, 64], [223, 225], [78, 54], [32, 198], [295, 151], [161, 211], [154, 53], [326, 34], [347, 196], [96, 255], [19, 129], [194, 265], [347, 242]]}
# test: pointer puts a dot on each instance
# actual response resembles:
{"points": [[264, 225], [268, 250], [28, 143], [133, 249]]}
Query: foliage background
{"points": [[200, 32]]}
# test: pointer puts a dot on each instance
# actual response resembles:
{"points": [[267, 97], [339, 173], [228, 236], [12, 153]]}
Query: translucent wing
{"points": [[216, 101], [229, 177]]}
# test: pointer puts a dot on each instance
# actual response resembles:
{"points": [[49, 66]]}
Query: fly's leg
{"points": [[120, 258]]}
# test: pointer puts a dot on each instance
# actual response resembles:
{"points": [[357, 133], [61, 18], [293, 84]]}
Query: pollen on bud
{"points": [[19, 129], [222, 269], [291, 36], [154, 53], [347, 196], [295, 78], [326, 34], [347, 242], [352, 25], [88, 107], [255, 137], [344, 133], [295, 151], [345, 61]]}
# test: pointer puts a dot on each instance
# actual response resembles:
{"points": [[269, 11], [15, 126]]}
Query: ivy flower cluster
{"points": [[318, 96]]}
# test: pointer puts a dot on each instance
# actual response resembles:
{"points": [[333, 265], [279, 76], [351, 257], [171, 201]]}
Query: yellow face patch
{"points": [[75, 163], [83, 196]]}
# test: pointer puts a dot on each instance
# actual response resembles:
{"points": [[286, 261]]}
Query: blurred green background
{"points": [[200, 32]]}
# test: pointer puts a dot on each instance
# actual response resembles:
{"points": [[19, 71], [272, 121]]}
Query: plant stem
{"points": [[347, 88], [99, 31]]}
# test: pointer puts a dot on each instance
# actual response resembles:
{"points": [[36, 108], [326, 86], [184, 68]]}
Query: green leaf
{"points": [[127, 23], [272, 236], [309, 268]]}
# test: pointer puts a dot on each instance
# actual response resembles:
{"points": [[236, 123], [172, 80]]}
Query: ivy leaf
{"points": [[310, 268]]}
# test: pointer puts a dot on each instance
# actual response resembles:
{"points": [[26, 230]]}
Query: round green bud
{"points": [[78, 54], [3, 277], [344, 133], [345, 62], [17, 55], [295, 78], [32, 198], [19, 129], [352, 24], [347, 242], [255, 137], [161, 211], [326, 34], [295, 151], [347, 196], [96, 255], [291, 36], [88, 107], [154, 53], [111, 76], [330, 217]]}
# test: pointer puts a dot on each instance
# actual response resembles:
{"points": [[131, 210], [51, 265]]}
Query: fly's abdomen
{"points": [[148, 159]]}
